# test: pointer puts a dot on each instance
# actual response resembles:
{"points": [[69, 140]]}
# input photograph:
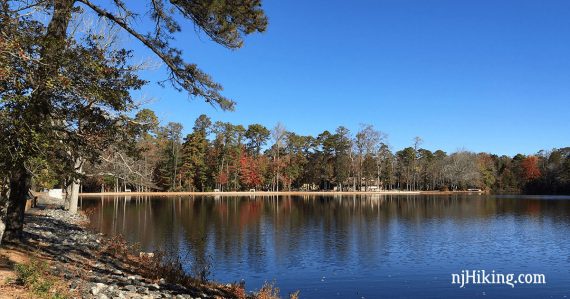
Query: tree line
{"points": [[232, 157]]}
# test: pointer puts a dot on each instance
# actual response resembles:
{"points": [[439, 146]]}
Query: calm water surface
{"points": [[368, 246]]}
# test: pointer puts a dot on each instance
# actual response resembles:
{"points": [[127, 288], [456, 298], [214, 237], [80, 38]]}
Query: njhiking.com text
{"points": [[482, 277]]}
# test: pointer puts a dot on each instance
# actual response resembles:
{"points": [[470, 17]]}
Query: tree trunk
{"points": [[68, 194], [74, 199], [277, 174], [3, 202], [2, 228], [20, 183]]}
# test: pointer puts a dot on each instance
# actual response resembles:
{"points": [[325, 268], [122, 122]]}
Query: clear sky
{"points": [[487, 76]]}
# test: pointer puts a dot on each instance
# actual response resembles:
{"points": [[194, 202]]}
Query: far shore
{"points": [[285, 193]]}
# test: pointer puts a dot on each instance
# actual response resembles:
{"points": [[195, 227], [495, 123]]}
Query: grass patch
{"points": [[270, 291], [35, 276]]}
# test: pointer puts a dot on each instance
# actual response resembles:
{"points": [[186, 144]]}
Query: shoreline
{"points": [[82, 263], [280, 193]]}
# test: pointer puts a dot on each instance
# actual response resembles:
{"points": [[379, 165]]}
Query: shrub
{"points": [[36, 277]]}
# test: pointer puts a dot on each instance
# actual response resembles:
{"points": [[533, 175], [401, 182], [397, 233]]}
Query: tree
{"points": [[389, 167], [227, 146], [224, 22], [202, 124], [257, 136], [278, 136], [530, 168], [294, 159], [487, 170], [405, 163], [415, 169], [462, 171], [342, 145], [194, 169], [366, 142], [440, 158], [89, 98], [168, 172], [250, 171], [425, 163], [17, 60]]}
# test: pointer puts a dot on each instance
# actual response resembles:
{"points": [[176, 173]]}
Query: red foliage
{"points": [[250, 173], [530, 168], [222, 178]]}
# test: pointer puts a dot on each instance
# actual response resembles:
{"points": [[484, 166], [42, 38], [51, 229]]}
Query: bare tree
{"points": [[278, 136], [461, 170], [417, 142], [366, 144]]}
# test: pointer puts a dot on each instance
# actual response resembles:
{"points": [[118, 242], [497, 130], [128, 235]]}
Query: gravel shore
{"points": [[74, 255]]}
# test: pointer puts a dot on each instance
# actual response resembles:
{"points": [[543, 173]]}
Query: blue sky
{"points": [[487, 76]]}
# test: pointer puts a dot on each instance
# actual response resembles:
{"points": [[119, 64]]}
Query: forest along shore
{"points": [[281, 193], [60, 257]]}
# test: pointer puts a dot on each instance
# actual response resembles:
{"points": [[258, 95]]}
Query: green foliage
{"points": [[45, 177], [35, 276], [257, 135], [194, 170], [79, 110], [225, 156]]}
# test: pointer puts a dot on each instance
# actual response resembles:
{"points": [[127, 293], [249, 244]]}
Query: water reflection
{"points": [[370, 246]]}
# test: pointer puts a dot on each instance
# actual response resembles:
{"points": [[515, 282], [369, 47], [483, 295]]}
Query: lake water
{"points": [[364, 246]]}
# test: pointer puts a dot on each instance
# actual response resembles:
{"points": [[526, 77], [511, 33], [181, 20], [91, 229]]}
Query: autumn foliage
{"points": [[530, 168], [250, 172]]}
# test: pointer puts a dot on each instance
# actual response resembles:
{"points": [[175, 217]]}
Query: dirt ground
{"points": [[8, 258]]}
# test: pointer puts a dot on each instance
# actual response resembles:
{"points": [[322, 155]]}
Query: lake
{"points": [[362, 246]]}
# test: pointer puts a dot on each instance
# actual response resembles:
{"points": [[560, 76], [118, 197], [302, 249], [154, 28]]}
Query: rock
{"points": [[98, 288], [146, 254], [105, 279], [142, 290], [155, 286]]}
